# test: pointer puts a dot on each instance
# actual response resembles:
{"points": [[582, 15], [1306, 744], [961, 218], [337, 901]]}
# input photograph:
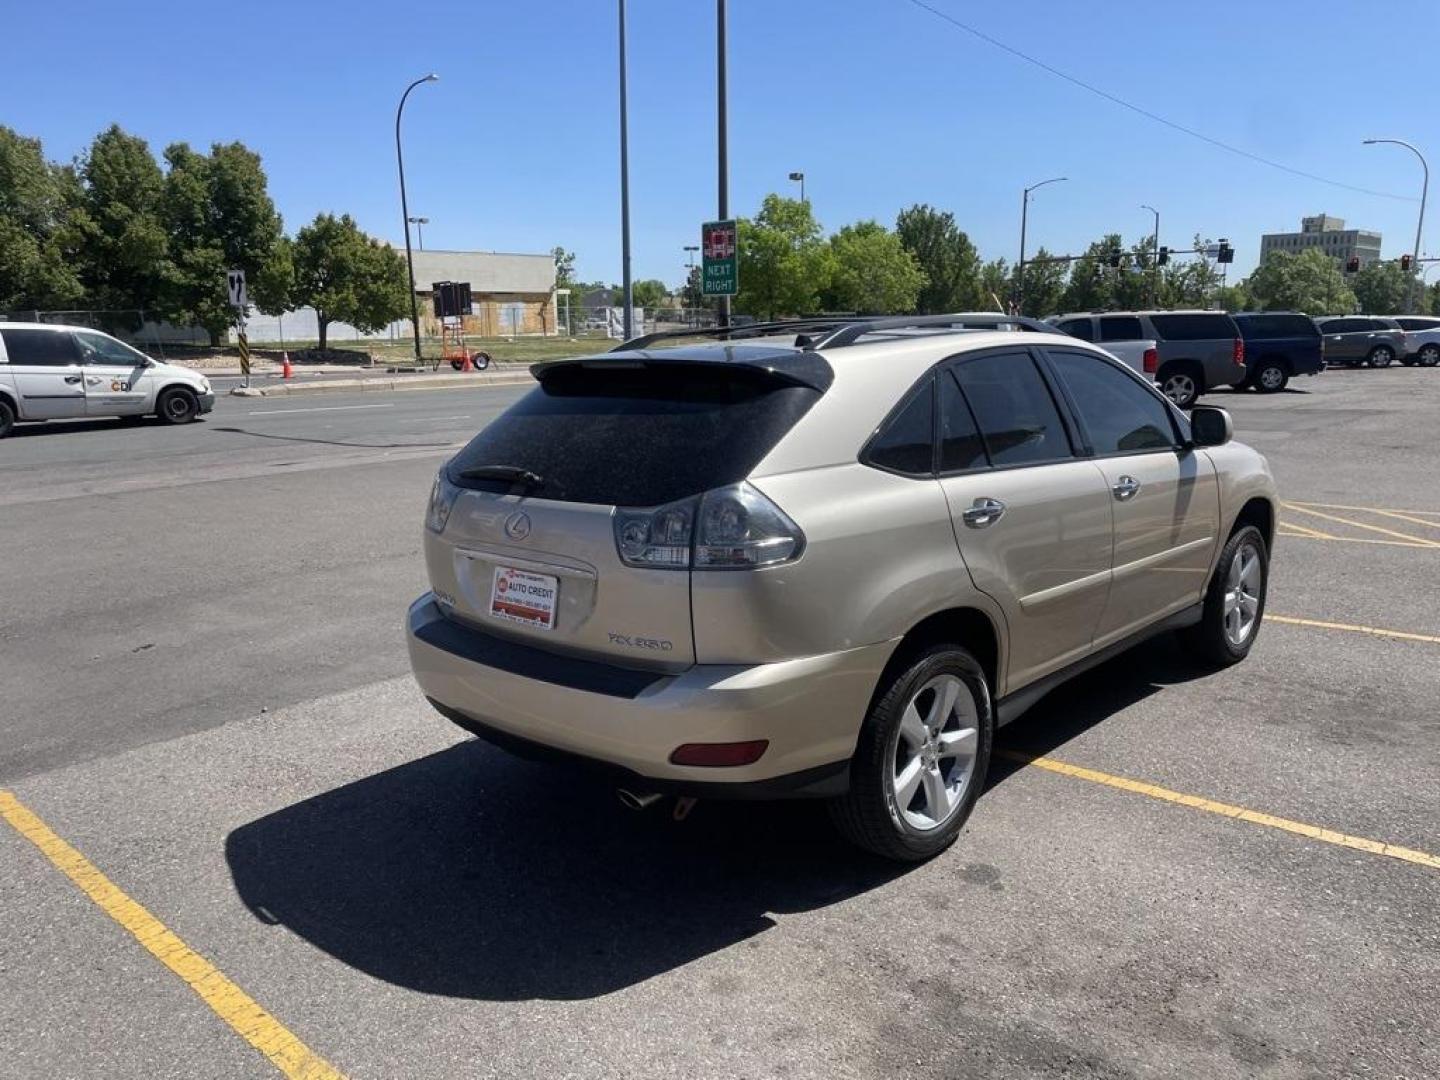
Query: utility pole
{"points": [[722, 141], [625, 188]]}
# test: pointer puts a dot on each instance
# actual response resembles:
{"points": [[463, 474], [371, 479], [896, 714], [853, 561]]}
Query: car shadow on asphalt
{"points": [[472, 874], [32, 429], [1079, 705], [336, 442]]}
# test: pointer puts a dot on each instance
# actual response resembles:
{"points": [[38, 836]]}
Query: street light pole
{"points": [[722, 140], [1420, 224], [625, 187], [405, 213], [420, 223], [800, 176], [1154, 259], [1024, 215]]}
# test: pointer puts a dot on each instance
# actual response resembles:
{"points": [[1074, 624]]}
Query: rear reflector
{"points": [[1239, 354], [1151, 361], [719, 754]]}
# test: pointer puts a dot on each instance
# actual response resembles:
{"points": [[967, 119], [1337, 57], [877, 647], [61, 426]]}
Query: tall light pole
{"points": [[625, 187], [419, 223], [1024, 215], [1154, 259], [722, 140], [800, 176], [1419, 225], [405, 213]]}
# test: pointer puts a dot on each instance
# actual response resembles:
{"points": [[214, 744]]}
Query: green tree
{"points": [[1092, 278], [1044, 285], [1382, 288], [784, 263], [124, 248], [1309, 281], [220, 217], [564, 267], [37, 205], [994, 285], [649, 293], [1233, 298], [947, 258], [872, 272], [347, 276]]}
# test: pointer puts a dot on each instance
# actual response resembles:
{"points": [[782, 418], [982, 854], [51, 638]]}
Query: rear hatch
{"points": [[529, 550]]}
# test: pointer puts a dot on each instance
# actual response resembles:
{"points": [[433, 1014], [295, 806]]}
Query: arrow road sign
{"points": [[235, 283]]}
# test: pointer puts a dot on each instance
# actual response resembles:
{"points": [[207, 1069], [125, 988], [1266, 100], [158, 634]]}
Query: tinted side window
{"points": [[1120, 328], [1344, 326], [1193, 327], [100, 349], [1119, 415], [1017, 416], [1419, 324], [906, 442], [1079, 328], [1260, 327], [40, 348], [1379, 324], [960, 444]]}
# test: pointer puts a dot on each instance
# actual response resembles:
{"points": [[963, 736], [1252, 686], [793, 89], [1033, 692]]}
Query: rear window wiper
{"points": [[518, 476]]}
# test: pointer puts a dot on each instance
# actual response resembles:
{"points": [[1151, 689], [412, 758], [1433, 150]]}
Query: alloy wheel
{"points": [[1242, 594], [1180, 389], [933, 759]]}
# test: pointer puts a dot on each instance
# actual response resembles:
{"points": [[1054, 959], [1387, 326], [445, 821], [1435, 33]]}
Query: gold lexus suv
{"points": [[826, 558]]}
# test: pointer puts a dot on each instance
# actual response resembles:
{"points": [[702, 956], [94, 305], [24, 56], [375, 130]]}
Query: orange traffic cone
{"points": [[285, 365]]}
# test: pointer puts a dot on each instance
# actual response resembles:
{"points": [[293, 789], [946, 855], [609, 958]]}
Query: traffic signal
{"points": [[1226, 254], [1115, 259], [1405, 263], [1352, 264], [1162, 258]]}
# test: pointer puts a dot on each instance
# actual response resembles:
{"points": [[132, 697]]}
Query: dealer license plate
{"points": [[526, 598]]}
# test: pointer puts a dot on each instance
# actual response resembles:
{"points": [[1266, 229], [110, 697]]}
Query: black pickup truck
{"points": [[1278, 346]]}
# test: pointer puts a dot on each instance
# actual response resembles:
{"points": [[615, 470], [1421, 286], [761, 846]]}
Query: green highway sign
{"points": [[720, 259]]}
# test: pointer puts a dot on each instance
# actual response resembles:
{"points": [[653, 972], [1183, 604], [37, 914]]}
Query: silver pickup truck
{"points": [[1140, 356]]}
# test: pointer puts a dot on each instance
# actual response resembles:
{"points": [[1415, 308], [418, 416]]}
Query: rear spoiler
{"points": [[783, 366]]}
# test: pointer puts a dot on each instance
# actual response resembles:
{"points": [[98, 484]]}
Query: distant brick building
{"points": [[511, 293]]}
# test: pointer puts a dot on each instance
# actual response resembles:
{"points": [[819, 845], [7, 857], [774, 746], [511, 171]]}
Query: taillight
{"points": [[1239, 353], [1151, 361], [731, 528], [442, 499]]}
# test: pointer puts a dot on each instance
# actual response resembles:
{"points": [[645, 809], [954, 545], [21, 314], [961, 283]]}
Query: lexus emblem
{"points": [[517, 525]]}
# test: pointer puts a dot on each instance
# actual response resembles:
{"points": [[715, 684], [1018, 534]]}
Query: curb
{"points": [[394, 385]]}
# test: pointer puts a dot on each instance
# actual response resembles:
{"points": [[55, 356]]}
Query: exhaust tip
{"points": [[633, 800]]}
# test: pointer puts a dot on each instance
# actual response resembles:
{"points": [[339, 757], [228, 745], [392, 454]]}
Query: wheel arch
{"points": [[1187, 364], [1281, 358], [969, 627], [1260, 512]]}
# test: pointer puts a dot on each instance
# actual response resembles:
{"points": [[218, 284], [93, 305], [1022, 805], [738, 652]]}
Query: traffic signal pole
{"points": [[722, 139]]}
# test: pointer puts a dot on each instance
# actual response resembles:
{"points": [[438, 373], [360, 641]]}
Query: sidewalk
{"points": [[268, 384]]}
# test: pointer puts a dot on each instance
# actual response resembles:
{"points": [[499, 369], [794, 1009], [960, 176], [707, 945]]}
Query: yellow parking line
{"points": [[228, 1001], [1399, 516], [1353, 539], [1374, 631], [1255, 817], [1370, 509], [1418, 540], [1305, 530]]}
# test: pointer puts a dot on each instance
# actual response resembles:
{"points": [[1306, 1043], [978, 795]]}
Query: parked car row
{"points": [[1197, 351]]}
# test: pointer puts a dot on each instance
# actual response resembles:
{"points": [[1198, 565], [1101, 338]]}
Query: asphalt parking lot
{"points": [[239, 842]]}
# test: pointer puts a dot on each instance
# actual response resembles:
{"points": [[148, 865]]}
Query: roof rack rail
{"points": [[832, 331]]}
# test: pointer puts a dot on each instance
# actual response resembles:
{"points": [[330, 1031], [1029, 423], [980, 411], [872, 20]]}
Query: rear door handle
{"points": [[72, 379], [983, 513], [1126, 488]]}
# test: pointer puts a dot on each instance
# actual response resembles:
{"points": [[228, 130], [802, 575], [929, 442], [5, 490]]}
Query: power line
{"points": [[1156, 117]]}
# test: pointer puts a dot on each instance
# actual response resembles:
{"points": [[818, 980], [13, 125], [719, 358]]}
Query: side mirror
{"points": [[1210, 426]]}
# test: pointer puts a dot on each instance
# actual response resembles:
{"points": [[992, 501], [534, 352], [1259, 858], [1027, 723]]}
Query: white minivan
{"points": [[50, 372]]}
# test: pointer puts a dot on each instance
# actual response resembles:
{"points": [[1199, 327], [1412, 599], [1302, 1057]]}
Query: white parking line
{"points": [[318, 408]]}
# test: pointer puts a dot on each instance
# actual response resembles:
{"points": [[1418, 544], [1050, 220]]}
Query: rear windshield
{"points": [[1258, 327], [1193, 327], [636, 437]]}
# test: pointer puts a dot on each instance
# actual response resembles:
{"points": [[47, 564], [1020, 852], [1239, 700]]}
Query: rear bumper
{"points": [[537, 704]]}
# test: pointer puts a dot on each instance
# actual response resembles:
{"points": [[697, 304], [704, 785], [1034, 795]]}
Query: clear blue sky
{"points": [[880, 104]]}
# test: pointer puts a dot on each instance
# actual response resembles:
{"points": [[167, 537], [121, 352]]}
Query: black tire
{"points": [[1428, 356], [868, 814], [1382, 356], [1209, 638], [7, 417], [1181, 383], [1270, 377], [177, 406], [480, 360]]}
